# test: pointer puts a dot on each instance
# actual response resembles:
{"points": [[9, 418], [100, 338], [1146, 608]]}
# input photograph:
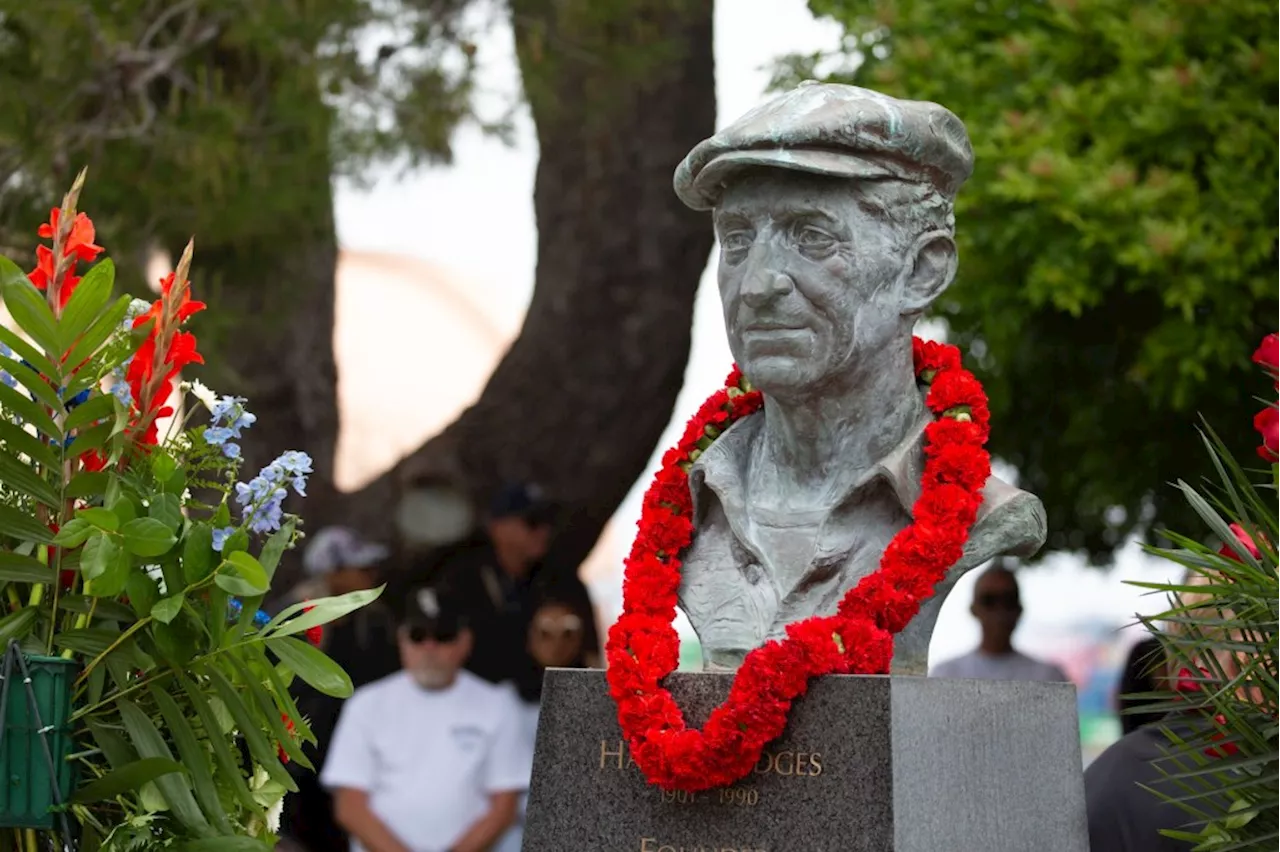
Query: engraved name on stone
{"points": [[788, 763]]}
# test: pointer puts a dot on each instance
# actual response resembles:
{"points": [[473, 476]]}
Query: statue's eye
{"points": [[814, 239], [736, 241]]}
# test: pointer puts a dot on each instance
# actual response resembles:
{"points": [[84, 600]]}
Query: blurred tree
{"points": [[228, 119], [1117, 239]]}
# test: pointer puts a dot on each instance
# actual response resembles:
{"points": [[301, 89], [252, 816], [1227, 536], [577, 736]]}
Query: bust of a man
{"points": [[834, 211]]}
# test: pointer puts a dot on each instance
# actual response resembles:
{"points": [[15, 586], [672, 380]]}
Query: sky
{"points": [[452, 217]]}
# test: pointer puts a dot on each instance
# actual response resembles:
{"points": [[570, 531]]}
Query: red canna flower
{"points": [[1267, 355]]}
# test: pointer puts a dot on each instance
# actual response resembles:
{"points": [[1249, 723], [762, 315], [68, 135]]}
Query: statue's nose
{"points": [[764, 282]]}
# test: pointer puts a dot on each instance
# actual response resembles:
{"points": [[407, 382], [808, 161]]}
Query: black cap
{"points": [[522, 500], [431, 614]]}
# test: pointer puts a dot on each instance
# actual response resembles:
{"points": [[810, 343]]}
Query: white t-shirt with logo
{"points": [[1012, 666], [429, 759]]}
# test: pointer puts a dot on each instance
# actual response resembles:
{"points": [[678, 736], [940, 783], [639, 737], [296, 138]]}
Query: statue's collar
{"points": [[723, 467]]}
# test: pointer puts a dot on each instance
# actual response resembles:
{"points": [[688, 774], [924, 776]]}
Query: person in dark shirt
{"points": [[337, 561], [496, 577], [1144, 672]]}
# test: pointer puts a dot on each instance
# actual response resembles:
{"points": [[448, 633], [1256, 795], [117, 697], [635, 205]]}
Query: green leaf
{"points": [[126, 779], [163, 466], [250, 569], [267, 706], [87, 301], [16, 568], [228, 764], [312, 665], [88, 484], [147, 537], [93, 641], [16, 625], [321, 611], [97, 407], [236, 586], [26, 351], [251, 729], [20, 477], [20, 440], [222, 515], [73, 533], [176, 789], [31, 412], [166, 609], [115, 564], [167, 509], [124, 508], [99, 551], [194, 758], [143, 593], [101, 329], [92, 438], [197, 552], [275, 548], [102, 608], [281, 691], [176, 640], [103, 519], [31, 312], [22, 526], [223, 844]]}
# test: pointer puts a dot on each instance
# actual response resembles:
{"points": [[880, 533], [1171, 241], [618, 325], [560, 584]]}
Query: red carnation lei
{"points": [[643, 647]]}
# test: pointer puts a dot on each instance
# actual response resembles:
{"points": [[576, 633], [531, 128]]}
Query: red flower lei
{"points": [[643, 647]]}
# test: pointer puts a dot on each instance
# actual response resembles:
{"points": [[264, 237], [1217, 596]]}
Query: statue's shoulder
{"points": [[1010, 521]]}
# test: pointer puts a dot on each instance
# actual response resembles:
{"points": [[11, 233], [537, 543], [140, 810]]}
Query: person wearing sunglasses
{"points": [[431, 758], [997, 607]]}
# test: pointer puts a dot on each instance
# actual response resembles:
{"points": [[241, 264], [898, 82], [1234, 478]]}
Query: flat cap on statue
{"points": [[836, 130]]}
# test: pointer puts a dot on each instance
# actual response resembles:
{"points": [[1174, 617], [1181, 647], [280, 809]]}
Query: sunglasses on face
{"points": [[999, 600], [558, 628], [418, 634]]}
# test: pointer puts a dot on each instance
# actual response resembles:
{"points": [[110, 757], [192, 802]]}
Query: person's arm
{"points": [[351, 811], [485, 831]]}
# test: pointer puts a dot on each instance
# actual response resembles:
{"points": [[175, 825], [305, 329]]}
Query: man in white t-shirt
{"points": [[432, 758], [997, 607]]}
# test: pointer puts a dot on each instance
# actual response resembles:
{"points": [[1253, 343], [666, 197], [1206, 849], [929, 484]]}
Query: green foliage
{"points": [[225, 118], [181, 709], [1222, 624], [1118, 237]]}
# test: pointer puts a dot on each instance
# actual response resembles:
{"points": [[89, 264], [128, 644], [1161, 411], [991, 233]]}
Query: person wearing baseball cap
{"points": [[431, 758], [495, 578], [337, 560]]}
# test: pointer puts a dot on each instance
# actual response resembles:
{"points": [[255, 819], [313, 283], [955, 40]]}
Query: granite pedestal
{"points": [[890, 764]]}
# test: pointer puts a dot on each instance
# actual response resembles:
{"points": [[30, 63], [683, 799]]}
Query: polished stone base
{"points": [[867, 763]]}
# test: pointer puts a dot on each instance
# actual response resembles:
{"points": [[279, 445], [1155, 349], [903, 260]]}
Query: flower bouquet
{"points": [[1220, 634], [145, 695]]}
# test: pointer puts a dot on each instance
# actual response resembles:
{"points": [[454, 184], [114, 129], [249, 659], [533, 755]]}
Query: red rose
{"points": [[1267, 355], [1267, 422]]}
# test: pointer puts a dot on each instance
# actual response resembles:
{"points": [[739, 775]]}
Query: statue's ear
{"points": [[933, 266]]}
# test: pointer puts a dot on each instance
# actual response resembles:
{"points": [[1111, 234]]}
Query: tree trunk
{"points": [[620, 90]]}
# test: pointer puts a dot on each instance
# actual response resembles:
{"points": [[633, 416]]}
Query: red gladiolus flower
{"points": [[1243, 538], [1267, 354], [165, 352], [1267, 422], [1226, 749], [315, 635], [78, 246]]}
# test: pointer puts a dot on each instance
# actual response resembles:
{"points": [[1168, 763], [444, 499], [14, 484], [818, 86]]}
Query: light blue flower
{"points": [[220, 537], [216, 435], [234, 608], [231, 451], [261, 619], [120, 390]]}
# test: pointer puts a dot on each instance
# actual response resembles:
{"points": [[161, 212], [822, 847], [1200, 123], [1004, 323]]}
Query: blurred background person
{"points": [[430, 758], [496, 577], [998, 608], [1145, 671], [556, 639], [337, 560]]}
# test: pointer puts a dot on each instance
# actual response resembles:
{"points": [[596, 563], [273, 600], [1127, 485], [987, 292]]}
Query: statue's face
{"points": [[808, 274]]}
